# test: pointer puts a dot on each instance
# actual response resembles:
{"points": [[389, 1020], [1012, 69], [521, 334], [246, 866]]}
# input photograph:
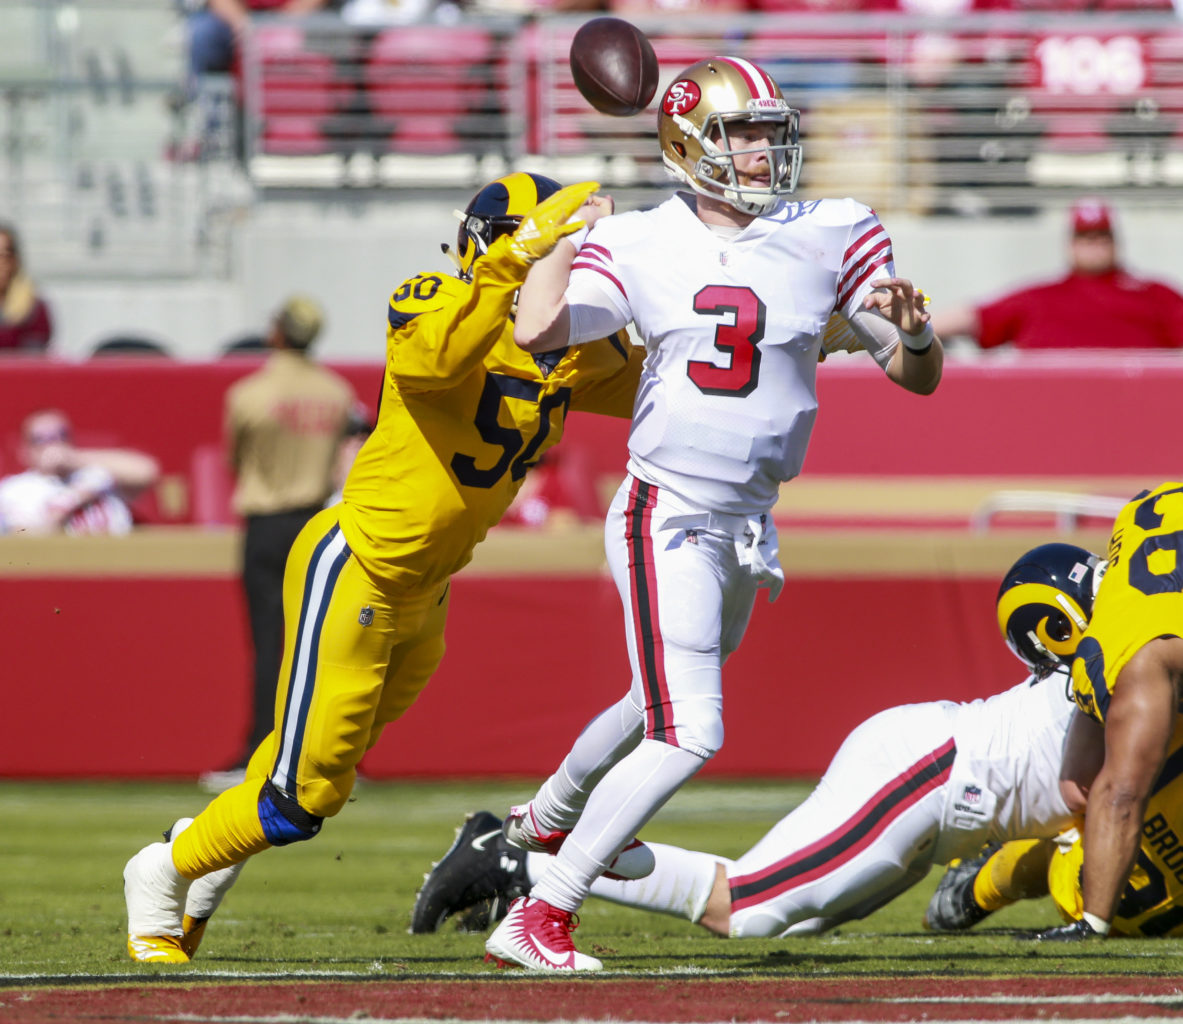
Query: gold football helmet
{"points": [[693, 122]]}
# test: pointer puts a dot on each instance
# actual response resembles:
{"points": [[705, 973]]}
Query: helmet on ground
{"points": [[698, 109], [1045, 602], [496, 210]]}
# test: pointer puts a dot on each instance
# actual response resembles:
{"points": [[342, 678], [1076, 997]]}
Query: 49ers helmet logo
{"points": [[680, 97]]}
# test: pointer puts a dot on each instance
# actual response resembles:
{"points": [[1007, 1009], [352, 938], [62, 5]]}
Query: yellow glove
{"points": [[543, 227]]}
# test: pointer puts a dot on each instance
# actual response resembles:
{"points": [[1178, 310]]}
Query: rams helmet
{"points": [[692, 123], [1045, 603], [496, 210]]}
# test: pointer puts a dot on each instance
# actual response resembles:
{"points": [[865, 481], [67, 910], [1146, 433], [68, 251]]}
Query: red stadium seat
{"points": [[299, 90], [426, 82]]}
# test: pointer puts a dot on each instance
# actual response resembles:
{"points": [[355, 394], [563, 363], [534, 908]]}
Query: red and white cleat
{"points": [[537, 936]]}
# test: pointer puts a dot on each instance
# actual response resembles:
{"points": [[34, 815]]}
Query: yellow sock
{"points": [[1017, 871], [227, 832]]}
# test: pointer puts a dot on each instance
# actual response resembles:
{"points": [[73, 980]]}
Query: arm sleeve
{"points": [[878, 335]]}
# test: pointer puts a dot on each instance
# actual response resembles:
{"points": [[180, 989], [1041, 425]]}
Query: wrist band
{"points": [[576, 238], [920, 343], [1101, 927]]}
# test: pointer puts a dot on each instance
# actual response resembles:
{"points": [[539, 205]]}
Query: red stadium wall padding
{"points": [[1032, 414], [149, 677]]}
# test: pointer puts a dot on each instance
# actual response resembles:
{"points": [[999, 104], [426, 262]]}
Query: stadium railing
{"points": [[116, 165], [979, 114]]}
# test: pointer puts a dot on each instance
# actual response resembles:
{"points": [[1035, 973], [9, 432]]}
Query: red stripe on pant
{"points": [[646, 623], [852, 837]]}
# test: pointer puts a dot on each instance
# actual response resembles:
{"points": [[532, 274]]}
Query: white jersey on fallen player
{"points": [[912, 786], [1011, 745], [732, 328]]}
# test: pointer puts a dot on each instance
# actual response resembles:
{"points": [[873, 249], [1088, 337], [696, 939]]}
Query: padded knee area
{"points": [[697, 726], [284, 821]]}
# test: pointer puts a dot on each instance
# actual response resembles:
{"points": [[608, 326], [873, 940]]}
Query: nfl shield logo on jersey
{"points": [[366, 616], [972, 795]]}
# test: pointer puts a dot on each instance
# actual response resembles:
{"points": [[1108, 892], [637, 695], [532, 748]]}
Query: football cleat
{"points": [[537, 936], [953, 907], [156, 949], [522, 830], [205, 895], [479, 869], [155, 896]]}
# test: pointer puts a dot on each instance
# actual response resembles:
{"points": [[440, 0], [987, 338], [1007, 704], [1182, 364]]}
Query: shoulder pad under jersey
{"points": [[422, 293]]}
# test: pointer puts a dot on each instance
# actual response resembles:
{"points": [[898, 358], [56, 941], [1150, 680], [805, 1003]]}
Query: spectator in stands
{"points": [[215, 27], [66, 489], [283, 424], [25, 323], [1098, 304]]}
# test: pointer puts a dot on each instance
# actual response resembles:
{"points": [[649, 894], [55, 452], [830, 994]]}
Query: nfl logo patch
{"points": [[972, 795], [366, 616]]}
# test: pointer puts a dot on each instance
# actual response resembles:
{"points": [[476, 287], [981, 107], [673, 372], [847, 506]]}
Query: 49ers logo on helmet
{"points": [[680, 97]]}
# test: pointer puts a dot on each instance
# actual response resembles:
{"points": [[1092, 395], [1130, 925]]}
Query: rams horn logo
{"points": [[1045, 615]]}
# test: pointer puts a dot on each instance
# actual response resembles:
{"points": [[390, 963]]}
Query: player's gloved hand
{"points": [[1077, 931], [543, 227]]}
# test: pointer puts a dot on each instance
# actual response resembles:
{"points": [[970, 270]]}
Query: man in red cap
{"points": [[1097, 305]]}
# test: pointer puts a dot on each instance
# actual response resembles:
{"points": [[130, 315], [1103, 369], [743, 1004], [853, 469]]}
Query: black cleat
{"points": [[481, 873], [953, 907]]}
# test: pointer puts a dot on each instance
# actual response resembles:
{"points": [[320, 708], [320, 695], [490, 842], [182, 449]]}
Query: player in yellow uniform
{"points": [[1127, 676], [1151, 904], [464, 414]]}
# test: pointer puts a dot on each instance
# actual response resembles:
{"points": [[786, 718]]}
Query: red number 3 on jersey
{"points": [[737, 338]]}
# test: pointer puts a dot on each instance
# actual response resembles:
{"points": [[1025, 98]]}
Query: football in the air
{"points": [[614, 66]]}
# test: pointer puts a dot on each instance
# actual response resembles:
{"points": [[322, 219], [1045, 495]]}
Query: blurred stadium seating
{"points": [[201, 203]]}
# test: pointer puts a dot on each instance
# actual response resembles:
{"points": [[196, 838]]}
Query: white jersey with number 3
{"points": [[732, 329]]}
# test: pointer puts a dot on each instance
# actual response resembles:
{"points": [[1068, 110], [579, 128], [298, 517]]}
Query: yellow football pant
{"points": [[355, 658]]}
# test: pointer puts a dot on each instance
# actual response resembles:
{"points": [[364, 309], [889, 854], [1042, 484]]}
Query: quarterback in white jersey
{"points": [[730, 287]]}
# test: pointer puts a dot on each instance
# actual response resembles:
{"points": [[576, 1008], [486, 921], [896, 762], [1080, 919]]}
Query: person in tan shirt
{"points": [[283, 424]]}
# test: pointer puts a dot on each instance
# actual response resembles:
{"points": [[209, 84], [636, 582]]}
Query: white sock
{"points": [[605, 740], [627, 797], [680, 885], [207, 892]]}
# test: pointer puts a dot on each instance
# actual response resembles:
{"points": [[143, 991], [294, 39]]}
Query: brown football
{"points": [[614, 66]]}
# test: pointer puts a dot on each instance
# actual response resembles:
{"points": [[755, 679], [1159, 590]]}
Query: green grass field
{"points": [[341, 904]]}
